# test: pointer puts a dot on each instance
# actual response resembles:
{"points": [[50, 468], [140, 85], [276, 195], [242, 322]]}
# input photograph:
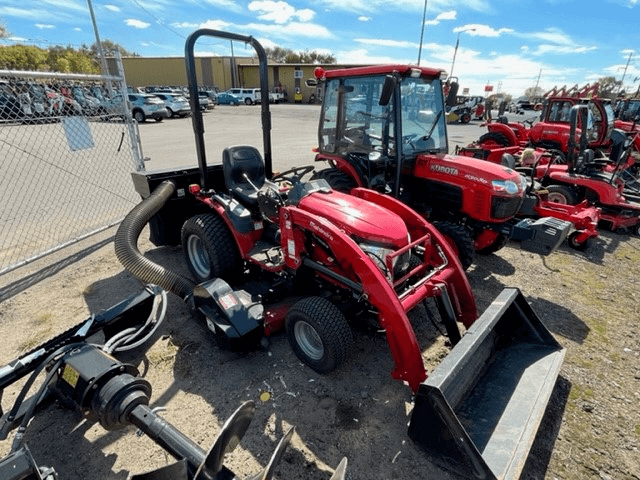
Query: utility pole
{"points": [[537, 82], [103, 60], [424, 18], [625, 72]]}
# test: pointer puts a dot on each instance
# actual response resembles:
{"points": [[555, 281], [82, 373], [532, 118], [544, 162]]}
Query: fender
{"points": [[343, 165], [505, 130]]}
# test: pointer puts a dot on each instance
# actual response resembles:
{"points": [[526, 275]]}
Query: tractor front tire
{"points": [[497, 244], [338, 180], [561, 194], [209, 248], [319, 334], [460, 239]]}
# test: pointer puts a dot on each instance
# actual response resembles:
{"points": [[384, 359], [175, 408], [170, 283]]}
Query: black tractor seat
{"points": [[244, 174]]}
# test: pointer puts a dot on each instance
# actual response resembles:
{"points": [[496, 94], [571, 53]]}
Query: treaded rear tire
{"points": [[561, 194], [494, 137], [461, 239], [318, 334], [209, 248], [338, 180]]}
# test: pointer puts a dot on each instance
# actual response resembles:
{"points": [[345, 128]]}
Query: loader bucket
{"points": [[478, 412]]}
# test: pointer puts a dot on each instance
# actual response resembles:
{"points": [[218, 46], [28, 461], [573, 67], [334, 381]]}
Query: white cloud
{"points": [[280, 12], [214, 24], [361, 56], [405, 5], [112, 8], [449, 15], [77, 29], [477, 30], [387, 43], [132, 22], [230, 5], [362, 18], [44, 26]]}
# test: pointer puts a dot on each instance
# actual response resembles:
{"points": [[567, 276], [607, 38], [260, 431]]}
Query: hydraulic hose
{"points": [[126, 245]]}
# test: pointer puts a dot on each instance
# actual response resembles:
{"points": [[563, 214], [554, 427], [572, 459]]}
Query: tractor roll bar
{"points": [[198, 126]]}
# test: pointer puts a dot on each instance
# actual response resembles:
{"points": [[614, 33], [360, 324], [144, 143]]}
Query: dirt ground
{"points": [[591, 430]]}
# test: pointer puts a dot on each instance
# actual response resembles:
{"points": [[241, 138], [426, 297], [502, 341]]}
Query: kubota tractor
{"points": [[384, 128], [273, 252]]}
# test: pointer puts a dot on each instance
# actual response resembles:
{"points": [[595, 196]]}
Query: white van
{"points": [[247, 95]]}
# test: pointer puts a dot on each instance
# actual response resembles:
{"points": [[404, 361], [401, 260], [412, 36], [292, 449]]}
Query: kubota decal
{"points": [[443, 169], [473, 178]]}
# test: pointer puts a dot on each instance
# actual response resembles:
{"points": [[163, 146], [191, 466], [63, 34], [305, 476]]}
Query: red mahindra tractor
{"points": [[274, 252], [383, 128], [586, 177]]}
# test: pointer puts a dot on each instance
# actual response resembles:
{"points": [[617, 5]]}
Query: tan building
{"points": [[219, 72]]}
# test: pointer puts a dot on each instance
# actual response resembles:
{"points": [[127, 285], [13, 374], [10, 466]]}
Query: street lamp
{"points": [[456, 49]]}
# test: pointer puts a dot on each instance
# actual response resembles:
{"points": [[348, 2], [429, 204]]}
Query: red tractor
{"points": [[273, 252], [587, 177], [383, 128]]}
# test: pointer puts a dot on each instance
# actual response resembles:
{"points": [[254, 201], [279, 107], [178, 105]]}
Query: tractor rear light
{"points": [[194, 189], [415, 73]]}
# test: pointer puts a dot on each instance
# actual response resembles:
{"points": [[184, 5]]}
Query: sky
{"points": [[511, 45]]}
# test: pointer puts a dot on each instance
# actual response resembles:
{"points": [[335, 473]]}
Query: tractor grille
{"points": [[502, 207]]}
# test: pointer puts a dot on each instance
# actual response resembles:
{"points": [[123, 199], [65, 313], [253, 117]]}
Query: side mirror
{"points": [[387, 90]]}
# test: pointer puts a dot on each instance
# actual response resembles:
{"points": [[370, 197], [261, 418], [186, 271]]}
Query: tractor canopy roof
{"points": [[412, 70]]}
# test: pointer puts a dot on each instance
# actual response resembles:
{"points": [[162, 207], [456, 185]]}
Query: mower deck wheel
{"points": [[318, 333], [573, 243], [209, 248]]}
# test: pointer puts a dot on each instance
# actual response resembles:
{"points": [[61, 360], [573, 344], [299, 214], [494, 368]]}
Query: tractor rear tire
{"points": [[338, 180], [497, 138], [209, 248], [319, 334], [561, 194], [498, 244], [460, 238]]}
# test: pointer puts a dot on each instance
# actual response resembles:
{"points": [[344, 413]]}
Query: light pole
{"points": [[456, 49]]}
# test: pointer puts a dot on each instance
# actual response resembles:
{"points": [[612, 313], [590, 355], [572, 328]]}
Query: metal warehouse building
{"points": [[222, 72]]}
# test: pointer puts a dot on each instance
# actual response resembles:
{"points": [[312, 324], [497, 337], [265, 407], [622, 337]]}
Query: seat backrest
{"points": [[240, 160]]}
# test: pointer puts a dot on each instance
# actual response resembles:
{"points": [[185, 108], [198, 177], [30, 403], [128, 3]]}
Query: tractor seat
{"points": [[239, 161]]}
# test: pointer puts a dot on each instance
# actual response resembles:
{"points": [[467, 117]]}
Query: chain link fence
{"points": [[67, 149]]}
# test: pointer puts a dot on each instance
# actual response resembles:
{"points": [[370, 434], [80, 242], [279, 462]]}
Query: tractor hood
{"points": [[465, 170], [358, 218]]}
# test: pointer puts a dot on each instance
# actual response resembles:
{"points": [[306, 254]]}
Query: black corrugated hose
{"points": [[126, 245]]}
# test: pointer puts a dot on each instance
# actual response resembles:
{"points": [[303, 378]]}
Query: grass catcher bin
{"points": [[478, 412]]}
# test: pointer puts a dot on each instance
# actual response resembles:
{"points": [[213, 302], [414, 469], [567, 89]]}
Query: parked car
{"points": [[143, 106], [247, 95], [177, 105], [225, 98]]}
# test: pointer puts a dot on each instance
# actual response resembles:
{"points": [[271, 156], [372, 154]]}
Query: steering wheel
{"points": [[293, 175]]}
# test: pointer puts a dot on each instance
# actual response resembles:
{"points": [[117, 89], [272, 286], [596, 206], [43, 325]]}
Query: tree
{"points": [[22, 57], [3, 31], [108, 47], [286, 55], [608, 84], [55, 59], [533, 92]]}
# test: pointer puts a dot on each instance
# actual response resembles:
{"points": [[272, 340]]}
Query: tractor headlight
{"points": [[379, 256], [506, 186]]}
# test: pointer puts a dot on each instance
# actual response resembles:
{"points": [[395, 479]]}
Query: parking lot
{"points": [[294, 133]]}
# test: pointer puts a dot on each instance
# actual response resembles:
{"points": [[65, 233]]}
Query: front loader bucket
{"points": [[478, 412]]}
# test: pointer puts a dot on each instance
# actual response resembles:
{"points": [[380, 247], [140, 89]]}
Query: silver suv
{"points": [[177, 105]]}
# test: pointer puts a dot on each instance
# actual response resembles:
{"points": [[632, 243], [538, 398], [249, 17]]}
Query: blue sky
{"points": [[509, 44]]}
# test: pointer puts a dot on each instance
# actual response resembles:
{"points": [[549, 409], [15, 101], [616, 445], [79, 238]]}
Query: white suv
{"points": [[247, 95]]}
